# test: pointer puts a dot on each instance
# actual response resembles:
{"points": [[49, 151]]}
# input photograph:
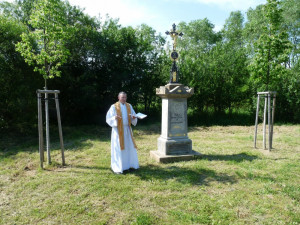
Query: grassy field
{"points": [[231, 183]]}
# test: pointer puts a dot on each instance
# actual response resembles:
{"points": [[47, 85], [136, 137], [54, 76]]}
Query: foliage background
{"points": [[106, 58]]}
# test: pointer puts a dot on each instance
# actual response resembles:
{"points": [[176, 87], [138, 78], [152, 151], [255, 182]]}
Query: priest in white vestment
{"points": [[120, 116]]}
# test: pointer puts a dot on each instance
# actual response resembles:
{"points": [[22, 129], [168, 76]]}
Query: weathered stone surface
{"points": [[174, 91], [174, 146], [174, 118]]}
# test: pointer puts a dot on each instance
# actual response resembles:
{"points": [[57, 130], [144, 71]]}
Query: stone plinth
{"points": [[157, 156], [173, 143]]}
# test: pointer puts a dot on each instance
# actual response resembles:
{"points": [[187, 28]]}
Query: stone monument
{"points": [[173, 143]]}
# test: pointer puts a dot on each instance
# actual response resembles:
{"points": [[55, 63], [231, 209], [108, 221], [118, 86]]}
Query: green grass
{"points": [[232, 183]]}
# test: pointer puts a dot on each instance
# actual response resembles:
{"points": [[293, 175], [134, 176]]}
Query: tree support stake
{"points": [[40, 125]]}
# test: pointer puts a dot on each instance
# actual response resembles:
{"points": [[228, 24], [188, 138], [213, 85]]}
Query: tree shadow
{"points": [[30, 146], [182, 175], [192, 176], [79, 169], [88, 167], [75, 138], [87, 132], [234, 157], [78, 145]]}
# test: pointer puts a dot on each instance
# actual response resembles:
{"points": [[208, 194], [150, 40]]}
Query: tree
{"points": [[195, 68], [291, 19], [254, 27], [271, 49], [232, 63], [233, 29], [214, 62], [17, 81], [291, 82], [150, 65], [44, 46]]}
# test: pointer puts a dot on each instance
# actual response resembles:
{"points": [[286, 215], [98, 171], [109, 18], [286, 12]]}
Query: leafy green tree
{"points": [[82, 84], [150, 66], [291, 22], [233, 29], [17, 81], [289, 102], [254, 27], [195, 68], [19, 10], [232, 63], [44, 46], [214, 63], [271, 49]]}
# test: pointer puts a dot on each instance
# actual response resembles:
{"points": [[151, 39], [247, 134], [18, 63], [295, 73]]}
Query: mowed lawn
{"points": [[232, 183]]}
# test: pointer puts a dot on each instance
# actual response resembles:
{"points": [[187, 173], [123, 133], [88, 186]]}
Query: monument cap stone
{"points": [[174, 90]]}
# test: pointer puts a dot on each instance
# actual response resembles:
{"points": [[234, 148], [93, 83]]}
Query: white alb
{"points": [[122, 159]]}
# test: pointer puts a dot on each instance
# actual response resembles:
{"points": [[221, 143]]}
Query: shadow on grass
{"points": [[192, 176], [75, 138], [87, 132], [234, 157], [183, 175], [89, 167], [80, 169]]}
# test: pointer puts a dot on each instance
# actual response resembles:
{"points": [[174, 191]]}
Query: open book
{"points": [[140, 116]]}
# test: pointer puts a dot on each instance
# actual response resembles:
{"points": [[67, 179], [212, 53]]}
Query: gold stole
{"points": [[120, 124]]}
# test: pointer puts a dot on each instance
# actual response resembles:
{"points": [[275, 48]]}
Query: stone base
{"points": [[180, 146], [158, 157]]}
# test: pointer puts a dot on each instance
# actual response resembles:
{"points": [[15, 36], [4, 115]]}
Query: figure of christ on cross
{"points": [[174, 35], [174, 55]]}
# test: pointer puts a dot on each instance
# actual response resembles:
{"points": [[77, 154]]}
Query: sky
{"points": [[161, 14]]}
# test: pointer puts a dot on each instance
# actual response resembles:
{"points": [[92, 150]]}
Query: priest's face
{"points": [[122, 98]]}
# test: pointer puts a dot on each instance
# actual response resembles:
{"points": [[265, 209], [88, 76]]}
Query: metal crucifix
{"points": [[174, 55]]}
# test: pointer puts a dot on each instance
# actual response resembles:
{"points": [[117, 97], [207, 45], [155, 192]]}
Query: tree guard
{"points": [[40, 125], [269, 95]]}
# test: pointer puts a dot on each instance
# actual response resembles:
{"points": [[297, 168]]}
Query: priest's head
{"points": [[122, 96]]}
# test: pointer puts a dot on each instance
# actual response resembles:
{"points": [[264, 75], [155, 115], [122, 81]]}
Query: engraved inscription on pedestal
{"points": [[178, 120]]}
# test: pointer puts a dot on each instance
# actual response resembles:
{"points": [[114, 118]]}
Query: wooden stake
{"points": [[40, 126], [269, 120], [47, 129], [273, 115], [264, 124], [256, 120], [60, 129]]}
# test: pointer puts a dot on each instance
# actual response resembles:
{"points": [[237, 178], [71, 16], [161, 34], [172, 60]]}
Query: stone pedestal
{"points": [[173, 143]]}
